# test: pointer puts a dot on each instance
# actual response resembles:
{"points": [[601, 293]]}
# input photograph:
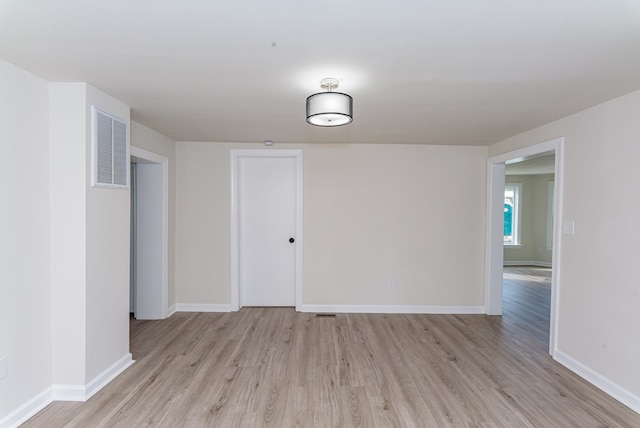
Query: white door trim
{"points": [[164, 161], [494, 226], [235, 155]]}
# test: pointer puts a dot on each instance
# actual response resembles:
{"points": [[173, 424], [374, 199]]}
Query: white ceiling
{"points": [[464, 72]]}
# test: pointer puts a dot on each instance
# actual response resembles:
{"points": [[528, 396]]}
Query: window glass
{"points": [[511, 214]]}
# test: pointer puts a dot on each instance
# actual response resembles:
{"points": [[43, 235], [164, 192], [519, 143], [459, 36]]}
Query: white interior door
{"points": [[149, 249], [267, 205]]}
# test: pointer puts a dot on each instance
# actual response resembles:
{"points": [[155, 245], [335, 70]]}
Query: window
{"points": [[512, 214]]}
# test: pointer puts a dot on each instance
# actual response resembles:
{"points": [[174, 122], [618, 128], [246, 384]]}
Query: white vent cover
{"points": [[110, 151]]}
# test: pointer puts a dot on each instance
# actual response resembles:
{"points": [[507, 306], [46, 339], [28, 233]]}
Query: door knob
{"points": [[292, 240]]}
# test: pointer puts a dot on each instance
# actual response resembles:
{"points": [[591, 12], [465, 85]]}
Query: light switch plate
{"points": [[569, 227]]}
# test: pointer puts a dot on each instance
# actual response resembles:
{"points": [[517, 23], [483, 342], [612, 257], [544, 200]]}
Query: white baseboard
{"points": [[172, 310], [28, 409], [108, 375], [84, 392], [362, 309], [627, 398], [68, 392], [392, 309], [527, 263], [202, 307], [65, 393]]}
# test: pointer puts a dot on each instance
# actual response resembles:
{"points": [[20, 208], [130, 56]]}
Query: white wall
{"points": [[148, 139], [599, 290], [202, 270], [68, 231], [25, 299], [370, 212], [107, 252], [64, 318], [89, 243], [523, 251], [533, 220], [541, 253], [415, 213]]}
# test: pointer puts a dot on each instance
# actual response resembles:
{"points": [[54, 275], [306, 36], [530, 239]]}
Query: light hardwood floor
{"points": [[275, 367], [527, 300]]}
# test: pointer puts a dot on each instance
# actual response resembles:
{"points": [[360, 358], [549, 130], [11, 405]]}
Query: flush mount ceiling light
{"points": [[329, 108]]}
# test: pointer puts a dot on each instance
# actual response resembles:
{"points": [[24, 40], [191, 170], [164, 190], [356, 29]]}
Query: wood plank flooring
{"points": [[278, 368], [527, 299]]}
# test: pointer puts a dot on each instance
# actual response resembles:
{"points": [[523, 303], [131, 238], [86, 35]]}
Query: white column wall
{"points": [[25, 298], [68, 169], [64, 247], [107, 254]]}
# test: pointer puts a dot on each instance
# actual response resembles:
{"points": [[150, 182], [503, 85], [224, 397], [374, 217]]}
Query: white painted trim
{"points": [[27, 410], [69, 392], [556, 246], [203, 307], [108, 375], [147, 155], [235, 231], [299, 236], [525, 152], [614, 390], [235, 155], [164, 161], [172, 310], [65, 393], [392, 309], [527, 263], [84, 392], [495, 250]]}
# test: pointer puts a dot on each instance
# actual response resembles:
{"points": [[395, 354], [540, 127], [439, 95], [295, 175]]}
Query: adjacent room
{"points": [[340, 214], [528, 242]]}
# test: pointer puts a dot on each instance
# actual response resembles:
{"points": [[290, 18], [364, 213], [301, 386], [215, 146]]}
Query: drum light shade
{"points": [[329, 108]]}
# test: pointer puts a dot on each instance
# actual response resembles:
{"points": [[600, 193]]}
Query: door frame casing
{"points": [[494, 226], [164, 163], [236, 260]]}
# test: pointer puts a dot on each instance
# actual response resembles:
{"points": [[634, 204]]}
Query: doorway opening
{"points": [[548, 242], [528, 244], [149, 235]]}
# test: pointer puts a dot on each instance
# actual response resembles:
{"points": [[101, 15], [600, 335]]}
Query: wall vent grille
{"points": [[110, 151]]}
